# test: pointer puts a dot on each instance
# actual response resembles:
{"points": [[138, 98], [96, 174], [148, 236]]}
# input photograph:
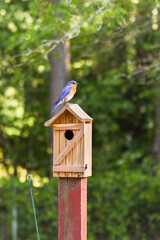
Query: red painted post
{"points": [[72, 209]]}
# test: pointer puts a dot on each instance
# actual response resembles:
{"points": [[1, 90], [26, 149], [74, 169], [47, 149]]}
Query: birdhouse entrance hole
{"points": [[69, 134]]}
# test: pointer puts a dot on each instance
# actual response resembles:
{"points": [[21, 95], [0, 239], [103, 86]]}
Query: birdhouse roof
{"points": [[74, 109]]}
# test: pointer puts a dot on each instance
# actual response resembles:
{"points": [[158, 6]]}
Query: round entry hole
{"points": [[69, 134]]}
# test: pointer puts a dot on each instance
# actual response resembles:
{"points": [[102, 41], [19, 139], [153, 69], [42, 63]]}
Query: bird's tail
{"points": [[55, 106]]}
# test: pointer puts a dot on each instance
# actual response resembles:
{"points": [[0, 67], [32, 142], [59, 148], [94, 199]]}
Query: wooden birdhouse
{"points": [[72, 142]]}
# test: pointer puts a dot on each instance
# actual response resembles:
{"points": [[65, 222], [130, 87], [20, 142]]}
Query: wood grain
{"points": [[68, 169], [69, 147]]}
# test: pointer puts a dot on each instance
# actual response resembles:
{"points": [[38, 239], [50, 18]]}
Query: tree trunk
{"points": [[14, 222], [60, 66], [156, 144], [14, 211]]}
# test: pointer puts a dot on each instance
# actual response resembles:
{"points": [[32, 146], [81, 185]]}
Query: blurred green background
{"points": [[114, 55]]}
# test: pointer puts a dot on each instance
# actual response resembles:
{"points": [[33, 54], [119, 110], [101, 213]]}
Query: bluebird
{"points": [[67, 93]]}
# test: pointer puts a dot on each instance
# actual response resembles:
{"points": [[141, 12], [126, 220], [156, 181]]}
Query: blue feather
{"points": [[56, 105], [66, 90]]}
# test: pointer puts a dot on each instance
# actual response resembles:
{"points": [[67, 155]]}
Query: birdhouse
{"points": [[72, 142]]}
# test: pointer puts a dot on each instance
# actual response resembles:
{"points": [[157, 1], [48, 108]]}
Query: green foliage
{"points": [[115, 57], [46, 202], [128, 207]]}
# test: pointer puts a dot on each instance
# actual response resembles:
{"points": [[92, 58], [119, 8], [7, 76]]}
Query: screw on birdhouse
{"points": [[85, 167]]}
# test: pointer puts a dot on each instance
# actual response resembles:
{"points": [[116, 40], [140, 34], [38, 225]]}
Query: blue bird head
{"points": [[72, 82]]}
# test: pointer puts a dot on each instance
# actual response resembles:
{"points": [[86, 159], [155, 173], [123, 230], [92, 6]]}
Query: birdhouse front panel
{"points": [[72, 147], [68, 154]]}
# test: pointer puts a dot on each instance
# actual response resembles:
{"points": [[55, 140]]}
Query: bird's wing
{"points": [[66, 90]]}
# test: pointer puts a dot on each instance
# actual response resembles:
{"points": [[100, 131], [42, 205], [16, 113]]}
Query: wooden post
{"points": [[72, 209]]}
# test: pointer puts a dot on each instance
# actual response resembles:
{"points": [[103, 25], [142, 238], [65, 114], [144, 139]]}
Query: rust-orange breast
{"points": [[71, 94]]}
